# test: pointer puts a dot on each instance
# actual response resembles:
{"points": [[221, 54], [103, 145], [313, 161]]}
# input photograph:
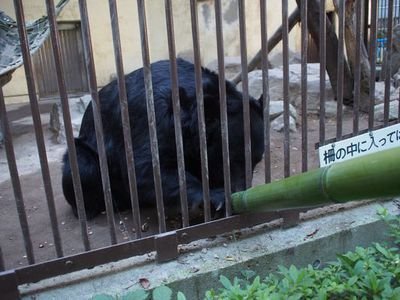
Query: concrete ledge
{"points": [[198, 268]]}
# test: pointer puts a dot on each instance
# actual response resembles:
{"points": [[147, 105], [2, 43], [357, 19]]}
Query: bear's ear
{"points": [[258, 105], [184, 99], [211, 107], [260, 101]]}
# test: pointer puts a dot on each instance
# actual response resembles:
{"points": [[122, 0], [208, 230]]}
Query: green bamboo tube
{"points": [[367, 177]]}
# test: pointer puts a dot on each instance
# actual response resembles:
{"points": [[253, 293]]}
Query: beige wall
{"points": [[102, 39]]}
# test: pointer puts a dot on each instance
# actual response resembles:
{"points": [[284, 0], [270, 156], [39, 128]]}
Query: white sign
{"points": [[367, 143]]}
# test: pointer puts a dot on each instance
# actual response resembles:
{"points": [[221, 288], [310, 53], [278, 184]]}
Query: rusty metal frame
{"points": [[166, 244]]}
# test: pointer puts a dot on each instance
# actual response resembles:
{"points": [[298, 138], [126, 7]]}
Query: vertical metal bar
{"points": [[322, 59], [304, 53], [126, 122], [200, 111], [372, 61], [2, 265], [223, 107], [286, 99], [16, 184], [388, 68], [245, 90], [177, 113], [340, 72], [151, 114], [67, 122], [37, 123], [97, 119], [357, 70], [265, 88], [366, 8]]}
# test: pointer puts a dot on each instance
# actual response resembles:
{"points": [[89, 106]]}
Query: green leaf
{"points": [[293, 273], [180, 296], [352, 280], [248, 274], [103, 297], [225, 282], [382, 250], [345, 260], [136, 295], [162, 293]]}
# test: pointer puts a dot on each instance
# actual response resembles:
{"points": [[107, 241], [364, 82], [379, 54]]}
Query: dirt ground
{"points": [[11, 240]]}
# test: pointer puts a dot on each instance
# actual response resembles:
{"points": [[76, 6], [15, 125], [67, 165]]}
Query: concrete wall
{"points": [[130, 38]]}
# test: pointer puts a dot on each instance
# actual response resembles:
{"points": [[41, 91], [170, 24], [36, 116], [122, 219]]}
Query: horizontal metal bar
{"points": [[85, 260], [9, 285], [92, 258]]}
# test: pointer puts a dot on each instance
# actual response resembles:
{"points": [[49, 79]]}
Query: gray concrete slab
{"points": [[198, 268]]}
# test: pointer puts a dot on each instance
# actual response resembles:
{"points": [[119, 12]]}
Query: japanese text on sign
{"points": [[374, 141]]}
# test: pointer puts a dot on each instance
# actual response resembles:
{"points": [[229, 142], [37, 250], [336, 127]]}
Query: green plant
{"points": [[365, 273], [159, 293]]}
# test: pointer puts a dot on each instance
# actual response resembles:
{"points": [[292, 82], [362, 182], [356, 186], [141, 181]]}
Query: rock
{"points": [[232, 66], [278, 125], [276, 109], [83, 103], [396, 79], [395, 55], [393, 111], [77, 107], [187, 55], [330, 109], [56, 124], [275, 80], [380, 92], [276, 59]]}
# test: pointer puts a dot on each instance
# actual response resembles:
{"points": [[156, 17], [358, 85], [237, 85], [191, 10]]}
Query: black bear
{"points": [[86, 147]]}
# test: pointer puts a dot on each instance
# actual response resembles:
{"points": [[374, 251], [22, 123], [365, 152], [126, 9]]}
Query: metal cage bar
{"points": [[322, 76], [98, 123], [67, 122], [200, 111], [151, 115], [177, 113], [126, 122], [286, 97], [357, 70], [16, 184], [304, 53], [265, 89], [2, 265], [372, 61], [388, 59], [223, 107], [340, 71], [245, 93], [37, 123]]}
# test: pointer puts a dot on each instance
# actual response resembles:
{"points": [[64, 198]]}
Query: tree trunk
{"points": [[350, 33], [332, 50]]}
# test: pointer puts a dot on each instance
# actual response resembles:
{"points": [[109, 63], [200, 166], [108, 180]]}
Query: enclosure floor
{"points": [[35, 199]]}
